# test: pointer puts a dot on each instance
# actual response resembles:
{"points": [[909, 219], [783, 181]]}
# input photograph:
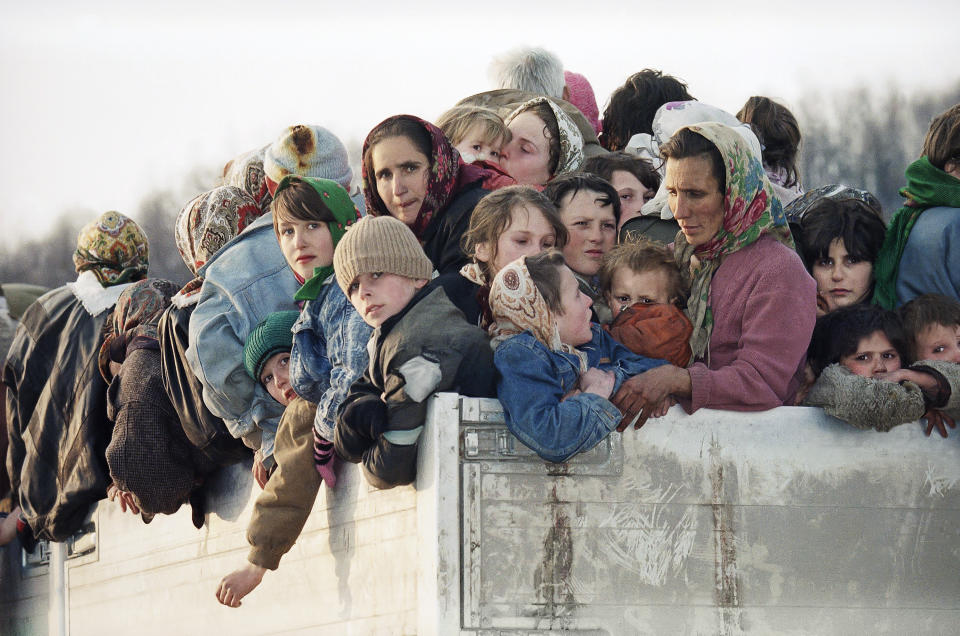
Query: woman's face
{"points": [[527, 157], [528, 234], [633, 194], [842, 279], [401, 172], [874, 355], [694, 197], [305, 245], [591, 230]]}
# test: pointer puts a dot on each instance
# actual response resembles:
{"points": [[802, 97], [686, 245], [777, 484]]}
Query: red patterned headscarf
{"points": [[448, 175], [133, 324]]}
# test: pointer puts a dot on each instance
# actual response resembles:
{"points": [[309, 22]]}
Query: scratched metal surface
{"points": [[783, 522], [779, 522]]}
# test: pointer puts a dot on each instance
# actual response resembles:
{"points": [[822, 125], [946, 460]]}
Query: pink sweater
{"points": [[764, 307]]}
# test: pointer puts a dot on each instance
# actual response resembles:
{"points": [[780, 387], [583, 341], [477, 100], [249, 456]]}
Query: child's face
{"points": [[649, 287], [528, 234], [842, 280], [379, 295], [305, 245], [574, 323], [633, 194], [476, 147], [592, 230], [275, 377], [939, 342], [874, 355]]}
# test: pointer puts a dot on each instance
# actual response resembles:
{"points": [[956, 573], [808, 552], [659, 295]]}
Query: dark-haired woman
{"points": [[840, 238], [412, 172], [752, 302]]}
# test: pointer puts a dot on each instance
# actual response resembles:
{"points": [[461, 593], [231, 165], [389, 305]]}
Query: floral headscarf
{"points": [[246, 172], [448, 174], [571, 139], [133, 324], [517, 306], [750, 210], [114, 248], [208, 222]]}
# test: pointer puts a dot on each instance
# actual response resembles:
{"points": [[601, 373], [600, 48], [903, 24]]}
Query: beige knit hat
{"points": [[379, 244]]}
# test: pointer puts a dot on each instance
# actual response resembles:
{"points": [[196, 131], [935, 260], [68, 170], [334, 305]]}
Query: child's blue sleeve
{"points": [[531, 388], [623, 362]]}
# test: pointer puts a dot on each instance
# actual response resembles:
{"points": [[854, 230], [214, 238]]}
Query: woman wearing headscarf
{"points": [[56, 397], [921, 252], [546, 143], [153, 466], [246, 172], [752, 302], [412, 172], [204, 225]]}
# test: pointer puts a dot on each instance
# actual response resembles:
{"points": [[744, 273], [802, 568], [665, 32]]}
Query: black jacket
{"points": [[56, 414], [441, 238]]}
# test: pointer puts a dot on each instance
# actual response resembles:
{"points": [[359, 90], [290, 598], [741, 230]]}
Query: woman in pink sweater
{"points": [[752, 302]]}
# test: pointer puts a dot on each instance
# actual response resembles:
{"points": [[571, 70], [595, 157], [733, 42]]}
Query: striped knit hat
{"points": [[379, 244], [271, 336]]}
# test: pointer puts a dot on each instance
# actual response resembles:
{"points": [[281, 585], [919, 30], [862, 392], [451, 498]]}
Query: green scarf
{"points": [[927, 187], [345, 214]]}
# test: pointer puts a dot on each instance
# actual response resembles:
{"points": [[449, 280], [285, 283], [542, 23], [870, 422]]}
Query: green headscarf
{"points": [[927, 187], [345, 214], [750, 210]]}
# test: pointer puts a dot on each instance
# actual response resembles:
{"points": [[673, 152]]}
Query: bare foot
{"points": [[239, 583]]}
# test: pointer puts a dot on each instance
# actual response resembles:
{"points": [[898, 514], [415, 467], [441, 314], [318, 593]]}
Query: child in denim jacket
{"points": [[421, 344], [557, 369]]}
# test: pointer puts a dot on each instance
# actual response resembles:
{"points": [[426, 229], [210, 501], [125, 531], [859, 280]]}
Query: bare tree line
{"points": [[864, 137]]}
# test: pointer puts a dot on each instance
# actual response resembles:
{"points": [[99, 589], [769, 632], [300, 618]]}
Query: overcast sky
{"points": [[104, 102]]}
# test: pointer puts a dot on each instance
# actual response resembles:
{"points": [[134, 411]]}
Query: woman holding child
{"points": [[413, 173], [752, 303]]}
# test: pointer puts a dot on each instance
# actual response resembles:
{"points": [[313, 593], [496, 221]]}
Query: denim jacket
{"points": [[329, 353], [533, 381], [244, 282]]}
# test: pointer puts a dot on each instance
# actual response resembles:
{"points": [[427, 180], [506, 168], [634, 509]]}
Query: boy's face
{"points": [[574, 323], [874, 355], [939, 342], [476, 147], [649, 287], [305, 245], [592, 230], [380, 295], [276, 378]]}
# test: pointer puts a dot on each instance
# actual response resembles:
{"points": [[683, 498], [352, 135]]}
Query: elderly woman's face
{"points": [[527, 157], [694, 197]]}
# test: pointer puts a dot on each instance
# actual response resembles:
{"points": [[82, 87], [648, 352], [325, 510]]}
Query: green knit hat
{"points": [[379, 244], [272, 336]]}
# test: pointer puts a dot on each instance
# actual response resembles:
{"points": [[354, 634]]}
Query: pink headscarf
{"points": [[580, 94]]}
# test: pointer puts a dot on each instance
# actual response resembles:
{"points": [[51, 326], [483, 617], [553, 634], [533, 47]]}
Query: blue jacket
{"points": [[329, 353], [533, 381], [930, 263], [244, 282]]}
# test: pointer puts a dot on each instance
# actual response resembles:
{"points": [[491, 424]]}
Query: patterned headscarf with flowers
{"points": [[207, 223], [246, 172], [448, 175], [571, 139], [114, 248], [750, 210], [517, 306], [133, 324]]}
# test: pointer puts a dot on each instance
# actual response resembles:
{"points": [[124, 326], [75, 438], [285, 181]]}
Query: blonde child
{"points": [[477, 133], [641, 284], [557, 370]]}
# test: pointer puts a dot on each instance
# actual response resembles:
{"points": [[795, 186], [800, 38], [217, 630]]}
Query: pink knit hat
{"points": [[581, 96]]}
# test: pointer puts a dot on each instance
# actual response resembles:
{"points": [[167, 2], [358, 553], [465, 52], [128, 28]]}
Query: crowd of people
{"points": [[589, 272]]}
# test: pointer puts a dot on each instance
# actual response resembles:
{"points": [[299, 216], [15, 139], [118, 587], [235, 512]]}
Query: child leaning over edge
{"points": [[857, 354], [641, 283], [557, 369], [421, 344]]}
